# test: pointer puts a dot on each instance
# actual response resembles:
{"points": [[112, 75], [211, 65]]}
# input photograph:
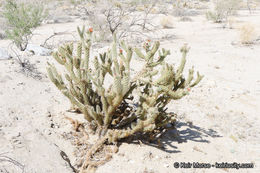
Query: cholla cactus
{"points": [[115, 111]]}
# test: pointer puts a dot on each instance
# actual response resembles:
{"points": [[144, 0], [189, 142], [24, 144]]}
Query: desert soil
{"points": [[217, 122]]}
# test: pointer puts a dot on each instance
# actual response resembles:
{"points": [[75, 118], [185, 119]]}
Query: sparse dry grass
{"points": [[167, 21], [247, 34]]}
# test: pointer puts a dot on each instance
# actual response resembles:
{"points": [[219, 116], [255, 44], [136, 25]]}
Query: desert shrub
{"points": [[222, 10], [179, 8], [21, 19], [130, 104], [185, 19], [247, 34], [130, 19], [184, 8], [251, 5], [166, 22]]}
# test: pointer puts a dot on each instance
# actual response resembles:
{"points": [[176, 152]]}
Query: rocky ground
{"points": [[217, 122]]}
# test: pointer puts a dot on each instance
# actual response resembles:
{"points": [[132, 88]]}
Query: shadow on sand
{"points": [[183, 132]]}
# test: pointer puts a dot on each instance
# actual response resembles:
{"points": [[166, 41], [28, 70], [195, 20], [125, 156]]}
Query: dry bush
{"points": [[128, 18], [166, 22], [185, 19], [247, 34], [184, 8], [179, 8], [251, 5], [222, 10]]}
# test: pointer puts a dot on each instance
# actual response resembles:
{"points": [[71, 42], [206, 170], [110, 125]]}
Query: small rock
{"points": [[52, 125], [4, 54], [20, 83], [166, 165], [38, 50]]}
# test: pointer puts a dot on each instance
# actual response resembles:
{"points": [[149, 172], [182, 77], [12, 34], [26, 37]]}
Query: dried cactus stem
{"points": [[91, 151]]}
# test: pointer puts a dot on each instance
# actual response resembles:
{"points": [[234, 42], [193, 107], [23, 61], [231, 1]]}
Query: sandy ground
{"points": [[217, 122]]}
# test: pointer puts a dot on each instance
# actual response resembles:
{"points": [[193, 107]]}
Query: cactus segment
{"points": [[110, 108]]}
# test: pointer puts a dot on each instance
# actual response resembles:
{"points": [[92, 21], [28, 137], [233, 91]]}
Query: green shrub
{"points": [[21, 19], [131, 104]]}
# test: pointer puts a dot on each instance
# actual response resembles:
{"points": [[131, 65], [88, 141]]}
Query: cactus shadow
{"points": [[182, 133], [188, 131]]}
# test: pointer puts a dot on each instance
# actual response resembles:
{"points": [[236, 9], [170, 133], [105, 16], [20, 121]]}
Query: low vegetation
{"points": [[222, 10], [131, 104], [21, 20], [247, 34]]}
